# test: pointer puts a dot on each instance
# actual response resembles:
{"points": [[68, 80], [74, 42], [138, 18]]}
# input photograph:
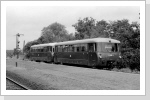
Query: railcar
{"points": [[42, 52], [95, 52]]}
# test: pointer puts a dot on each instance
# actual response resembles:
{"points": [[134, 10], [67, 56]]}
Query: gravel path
{"points": [[46, 76]]}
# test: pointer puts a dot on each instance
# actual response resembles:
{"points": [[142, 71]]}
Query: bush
{"points": [[131, 59], [27, 55]]}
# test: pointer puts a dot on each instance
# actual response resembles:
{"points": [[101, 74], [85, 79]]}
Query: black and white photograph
{"points": [[73, 48]]}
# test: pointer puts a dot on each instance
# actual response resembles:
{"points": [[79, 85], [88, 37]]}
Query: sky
{"points": [[30, 20]]}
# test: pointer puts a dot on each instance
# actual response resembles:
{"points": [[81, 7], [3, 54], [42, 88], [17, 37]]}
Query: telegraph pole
{"points": [[17, 43]]}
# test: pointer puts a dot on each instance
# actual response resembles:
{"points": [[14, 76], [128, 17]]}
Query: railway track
{"points": [[16, 85]]}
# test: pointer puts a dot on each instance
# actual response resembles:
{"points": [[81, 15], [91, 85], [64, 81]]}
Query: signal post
{"points": [[17, 43]]}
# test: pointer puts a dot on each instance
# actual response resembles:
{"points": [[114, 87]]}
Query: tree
{"points": [[102, 28], [26, 48], [15, 51], [53, 33], [135, 36], [84, 28]]}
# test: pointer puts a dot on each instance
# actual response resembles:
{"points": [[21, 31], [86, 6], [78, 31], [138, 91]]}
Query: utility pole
{"points": [[17, 43]]}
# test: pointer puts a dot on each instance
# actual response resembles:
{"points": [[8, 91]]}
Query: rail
{"points": [[22, 86]]}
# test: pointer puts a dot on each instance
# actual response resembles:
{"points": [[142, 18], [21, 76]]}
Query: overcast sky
{"points": [[30, 20]]}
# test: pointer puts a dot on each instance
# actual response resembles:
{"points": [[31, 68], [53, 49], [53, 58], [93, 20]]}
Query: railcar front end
{"points": [[108, 54]]}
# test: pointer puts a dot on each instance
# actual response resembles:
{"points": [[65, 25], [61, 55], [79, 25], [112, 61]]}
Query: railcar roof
{"points": [[92, 40], [43, 45]]}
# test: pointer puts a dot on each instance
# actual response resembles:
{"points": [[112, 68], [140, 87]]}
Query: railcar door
{"points": [[53, 51], [55, 54], [92, 55]]}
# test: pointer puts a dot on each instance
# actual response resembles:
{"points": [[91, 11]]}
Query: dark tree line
{"points": [[127, 33]]}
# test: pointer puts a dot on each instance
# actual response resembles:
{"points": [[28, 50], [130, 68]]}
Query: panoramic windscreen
{"points": [[110, 47]]}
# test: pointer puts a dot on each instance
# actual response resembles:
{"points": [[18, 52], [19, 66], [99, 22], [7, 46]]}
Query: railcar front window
{"points": [[108, 47], [111, 47], [92, 47]]}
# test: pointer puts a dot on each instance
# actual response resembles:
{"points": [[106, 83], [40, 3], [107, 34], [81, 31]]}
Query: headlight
{"points": [[100, 56], [120, 56]]}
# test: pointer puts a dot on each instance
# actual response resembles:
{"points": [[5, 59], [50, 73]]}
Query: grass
{"points": [[126, 70]]}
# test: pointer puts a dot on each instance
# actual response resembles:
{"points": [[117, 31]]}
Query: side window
{"points": [[70, 48], [78, 47], [45, 49], [56, 49], [66, 48], [36, 49], [84, 47], [59, 48], [75, 48], [42, 49], [53, 49], [50, 49], [116, 47], [33, 50], [91, 47], [63, 48]]}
